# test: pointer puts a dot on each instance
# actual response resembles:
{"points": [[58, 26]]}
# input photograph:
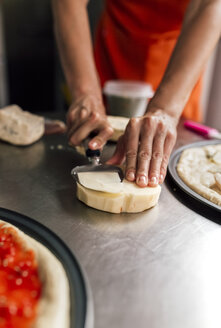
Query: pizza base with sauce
{"points": [[200, 169], [34, 288]]}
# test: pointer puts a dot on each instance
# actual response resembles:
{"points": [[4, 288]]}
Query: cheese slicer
{"points": [[95, 166]]}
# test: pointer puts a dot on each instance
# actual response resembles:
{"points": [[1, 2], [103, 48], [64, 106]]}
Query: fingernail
{"points": [[153, 180], [94, 144], [161, 177], [131, 176], [142, 180]]}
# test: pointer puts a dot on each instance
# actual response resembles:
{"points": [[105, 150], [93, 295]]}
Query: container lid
{"points": [[130, 89]]}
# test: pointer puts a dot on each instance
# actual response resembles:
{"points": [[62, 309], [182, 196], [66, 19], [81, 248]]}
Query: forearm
{"points": [[75, 46], [200, 33]]}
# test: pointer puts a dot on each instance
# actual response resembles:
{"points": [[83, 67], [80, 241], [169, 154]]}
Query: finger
{"points": [[168, 147], [131, 143], [70, 117], [80, 115], [84, 113], [145, 152], [78, 134], [119, 154], [94, 122], [157, 156], [101, 138]]}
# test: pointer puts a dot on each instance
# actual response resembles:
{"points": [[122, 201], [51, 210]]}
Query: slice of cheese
{"points": [[118, 123], [19, 127], [131, 199], [101, 181]]}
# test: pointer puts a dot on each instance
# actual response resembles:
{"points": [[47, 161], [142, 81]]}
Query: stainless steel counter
{"points": [[159, 268]]}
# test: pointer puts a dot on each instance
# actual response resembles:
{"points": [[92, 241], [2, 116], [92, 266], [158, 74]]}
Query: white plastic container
{"points": [[127, 98]]}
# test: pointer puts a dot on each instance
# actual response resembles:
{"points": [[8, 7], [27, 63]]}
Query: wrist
{"points": [[81, 88], [84, 90], [170, 103]]}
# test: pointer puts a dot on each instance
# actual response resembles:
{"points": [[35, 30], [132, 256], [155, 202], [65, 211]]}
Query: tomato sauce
{"points": [[20, 286]]}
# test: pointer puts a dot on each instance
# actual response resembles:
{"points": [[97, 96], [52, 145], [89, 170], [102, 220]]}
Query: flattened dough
{"points": [[200, 169], [54, 304]]}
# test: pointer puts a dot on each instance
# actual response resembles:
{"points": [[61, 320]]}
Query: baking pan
{"points": [[81, 310], [179, 182]]}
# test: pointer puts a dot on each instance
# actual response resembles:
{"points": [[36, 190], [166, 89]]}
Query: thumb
{"points": [[70, 116]]}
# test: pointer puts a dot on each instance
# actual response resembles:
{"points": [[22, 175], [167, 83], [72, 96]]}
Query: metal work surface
{"points": [[159, 268]]}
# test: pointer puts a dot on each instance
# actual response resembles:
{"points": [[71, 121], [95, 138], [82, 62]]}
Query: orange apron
{"points": [[134, 41]]}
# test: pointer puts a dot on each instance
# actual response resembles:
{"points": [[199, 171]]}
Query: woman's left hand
{"points": [[146, 145]]}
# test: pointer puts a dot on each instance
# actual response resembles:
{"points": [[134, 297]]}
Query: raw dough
{"points": [[19, 127], [200, 169]]}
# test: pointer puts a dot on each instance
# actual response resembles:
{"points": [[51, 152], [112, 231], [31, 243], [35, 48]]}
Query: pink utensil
{"points": [[203, 130]]}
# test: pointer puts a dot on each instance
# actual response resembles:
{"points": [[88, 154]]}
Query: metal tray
{"points": [[174, 175], [81, 311]]}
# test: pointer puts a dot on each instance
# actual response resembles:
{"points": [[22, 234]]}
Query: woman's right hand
{"points": [[85, 115], [146, 146]]}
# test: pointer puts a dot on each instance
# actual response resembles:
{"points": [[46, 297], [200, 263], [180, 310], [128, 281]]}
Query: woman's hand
{"points": [[86, 115], [146, 144]]}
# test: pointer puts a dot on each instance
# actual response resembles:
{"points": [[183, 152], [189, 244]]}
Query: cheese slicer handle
{"points": [[93, 155], [201, 129]]}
